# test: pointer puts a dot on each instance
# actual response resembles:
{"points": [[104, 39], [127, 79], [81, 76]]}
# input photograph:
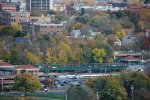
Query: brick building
{"points": [[39, 28], [8, 73]]}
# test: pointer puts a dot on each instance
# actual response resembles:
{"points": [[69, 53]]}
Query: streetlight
{"points": [[132, 88]]}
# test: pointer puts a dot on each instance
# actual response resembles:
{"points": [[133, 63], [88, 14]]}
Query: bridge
{"points": [[90, 67]]}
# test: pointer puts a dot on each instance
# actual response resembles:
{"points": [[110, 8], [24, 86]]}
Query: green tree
{"points": [[109, 89], [98, 55], [15, 56], [79, 93], [26, 83], [8, 30]]}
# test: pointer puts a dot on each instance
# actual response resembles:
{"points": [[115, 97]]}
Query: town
{"points": [[75, 49]]}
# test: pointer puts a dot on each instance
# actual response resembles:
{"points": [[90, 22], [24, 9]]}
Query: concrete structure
{"points": [[39, 5]]}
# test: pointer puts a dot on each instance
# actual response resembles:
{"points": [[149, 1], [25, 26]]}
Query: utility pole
{"points": [[132, 88], [66, 96], [97, 96], [2, 84]]}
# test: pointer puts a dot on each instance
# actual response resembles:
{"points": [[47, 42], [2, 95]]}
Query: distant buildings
{"points": [[39, 5], [13, 17]]}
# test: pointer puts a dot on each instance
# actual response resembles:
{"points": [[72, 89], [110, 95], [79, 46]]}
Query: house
{"points": [[75, 33], [117, 42], [130, 60]]}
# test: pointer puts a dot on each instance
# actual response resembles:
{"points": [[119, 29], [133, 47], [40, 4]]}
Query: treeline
{"points": [[59, 53], [113, 88]]}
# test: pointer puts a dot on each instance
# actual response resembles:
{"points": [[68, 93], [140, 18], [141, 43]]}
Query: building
{"points": [[138, 8], [9, 71], [22, 5], [13, 17], [8, 7], [59, 7], [39, 5], [41, 28], [41, 18]]}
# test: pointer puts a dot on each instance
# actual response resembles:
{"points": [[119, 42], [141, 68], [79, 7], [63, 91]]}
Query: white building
{"points": [[75, 33]]}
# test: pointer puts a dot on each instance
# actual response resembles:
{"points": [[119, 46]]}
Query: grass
{"points": [[53, 96], [35, 96]]}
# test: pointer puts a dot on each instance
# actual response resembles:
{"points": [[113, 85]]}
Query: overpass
{"points": [[90, 67]]}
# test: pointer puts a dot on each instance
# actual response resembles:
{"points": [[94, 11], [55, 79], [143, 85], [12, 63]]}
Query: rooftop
{"points": [[2, 63], [130, 58], [26, 67]]}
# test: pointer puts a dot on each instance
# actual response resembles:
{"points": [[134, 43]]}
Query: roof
{"points": [[2, 63], [124, 53], [26, 67], [130, 58]]}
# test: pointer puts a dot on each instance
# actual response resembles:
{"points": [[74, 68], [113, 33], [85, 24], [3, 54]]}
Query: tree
{"points": [[15, 57], [89, 81], [26, 83], [98, 55], [79, 93], [8, 30], [119, 31], [30, 58], [109, 88]]}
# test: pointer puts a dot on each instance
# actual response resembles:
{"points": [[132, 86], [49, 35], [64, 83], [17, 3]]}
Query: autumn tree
{"points": [[26, 83], [30, 58], [119, 32], [98, 55]]}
